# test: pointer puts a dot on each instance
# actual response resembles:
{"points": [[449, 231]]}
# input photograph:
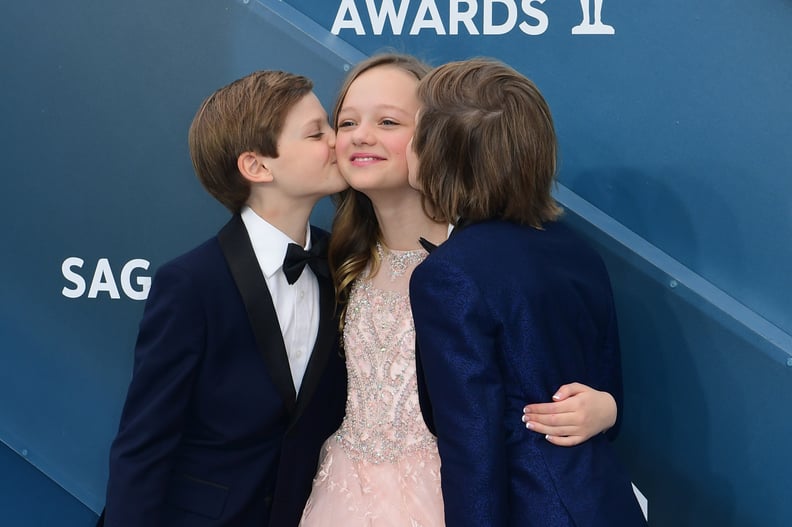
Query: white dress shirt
{"points": [[297, 305]]}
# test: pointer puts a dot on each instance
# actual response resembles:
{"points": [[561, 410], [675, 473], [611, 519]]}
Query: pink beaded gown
{"points": [[381, 468]]}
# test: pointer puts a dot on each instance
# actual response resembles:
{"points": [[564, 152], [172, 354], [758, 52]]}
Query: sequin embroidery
{"points": [[383, 420]]}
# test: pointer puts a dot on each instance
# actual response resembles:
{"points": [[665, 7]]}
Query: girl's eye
{"points": [[317, 135], [389, 122], [346, 124]]}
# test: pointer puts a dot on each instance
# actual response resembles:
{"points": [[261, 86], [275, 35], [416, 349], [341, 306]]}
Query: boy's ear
{"points": [[253, 167]]}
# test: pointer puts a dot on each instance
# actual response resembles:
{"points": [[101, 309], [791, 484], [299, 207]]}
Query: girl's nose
{"points": [[362, 135]]}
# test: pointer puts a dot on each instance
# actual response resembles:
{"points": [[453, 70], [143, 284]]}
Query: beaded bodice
{"points": [[383, 419]]}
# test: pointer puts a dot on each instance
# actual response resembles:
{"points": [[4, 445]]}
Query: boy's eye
{"points": [[316, 135], [345, 124], [389, 122]]}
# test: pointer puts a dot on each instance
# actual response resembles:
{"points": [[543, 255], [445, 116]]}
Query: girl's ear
{"points": [[253, 167]]}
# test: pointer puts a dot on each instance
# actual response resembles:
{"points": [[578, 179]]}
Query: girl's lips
{"points": [[364, 159]]}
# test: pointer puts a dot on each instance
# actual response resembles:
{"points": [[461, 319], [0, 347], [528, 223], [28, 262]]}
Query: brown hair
{"points": [[486, 144], [244, 116], [355, 227]]}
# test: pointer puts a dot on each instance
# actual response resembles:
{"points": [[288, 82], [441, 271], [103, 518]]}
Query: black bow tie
{"points": [[297, 257]]}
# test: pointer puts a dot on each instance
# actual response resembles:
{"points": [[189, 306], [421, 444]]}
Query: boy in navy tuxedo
{"points": [[237, 380], [510, 307]]}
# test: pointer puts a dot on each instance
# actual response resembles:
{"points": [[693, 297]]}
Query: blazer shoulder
{"points": [[198, 257], [581, 248], [210, 252], [496, 247]]}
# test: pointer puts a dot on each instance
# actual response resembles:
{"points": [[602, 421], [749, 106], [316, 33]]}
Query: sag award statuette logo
{"points": [[586, 27]]}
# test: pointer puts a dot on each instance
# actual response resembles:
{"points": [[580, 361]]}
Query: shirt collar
{"points": [[269, 243]]}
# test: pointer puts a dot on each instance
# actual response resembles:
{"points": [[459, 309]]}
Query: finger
{"points": [[565, 419], [568, 390], [564, 441], [551, 420], [552, 408], [565, 430]]}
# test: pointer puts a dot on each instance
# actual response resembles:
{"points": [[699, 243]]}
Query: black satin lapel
{"points": [[325, 345], [238, 251]]}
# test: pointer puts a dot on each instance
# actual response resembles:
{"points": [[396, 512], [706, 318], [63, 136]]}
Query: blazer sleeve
{"points": [[456, 337], [168, 349]]}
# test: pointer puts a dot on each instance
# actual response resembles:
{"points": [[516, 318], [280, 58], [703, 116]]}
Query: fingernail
{"points": [[547, 437], [556, 397], [528, 425], [524, 418]]}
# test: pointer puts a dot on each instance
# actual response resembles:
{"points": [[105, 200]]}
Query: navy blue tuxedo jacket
{"points": [[504, 315], [212, 431]]}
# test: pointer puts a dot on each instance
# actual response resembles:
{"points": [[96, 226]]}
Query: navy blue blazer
{"points": [[212, 432], [504, 315]]}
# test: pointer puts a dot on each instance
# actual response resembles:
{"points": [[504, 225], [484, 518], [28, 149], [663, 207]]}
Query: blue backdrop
{"points": [[674, 128]]}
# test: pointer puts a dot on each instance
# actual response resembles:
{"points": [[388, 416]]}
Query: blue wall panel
{"points": [[675, 162], [703, 429], [677, 125], [29, 498]]}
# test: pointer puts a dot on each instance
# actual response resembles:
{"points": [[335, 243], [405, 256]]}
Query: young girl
{"points": [[382, 467]]}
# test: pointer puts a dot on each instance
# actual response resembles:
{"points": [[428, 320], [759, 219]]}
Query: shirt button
{"points": [[298, 354], [302, 295]]}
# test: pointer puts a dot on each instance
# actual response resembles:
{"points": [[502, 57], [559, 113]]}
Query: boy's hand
{"points": [[578, 413]]}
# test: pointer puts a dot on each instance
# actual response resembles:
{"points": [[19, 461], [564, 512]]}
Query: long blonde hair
{"points": [[355, 228]]}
